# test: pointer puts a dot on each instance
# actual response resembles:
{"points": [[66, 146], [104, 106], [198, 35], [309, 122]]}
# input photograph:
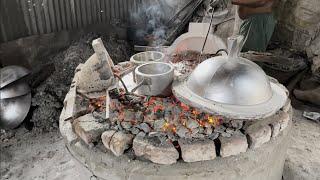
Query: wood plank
{"points": [[57, 14], [89, 13], [3, 22], [52, 16], [103, 11], [63, 14], [99, 10], [32, 17], [120, 9], [68, 14], [94, 11], [21, 28], [78, 13], [26, 15], [112, 7], [46, 16], [39, 13], [116, 9], [73, 13], [108, 11], [84, 13]]}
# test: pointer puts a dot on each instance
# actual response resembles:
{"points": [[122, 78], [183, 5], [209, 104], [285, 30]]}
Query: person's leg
{"points": [[257, 31]]}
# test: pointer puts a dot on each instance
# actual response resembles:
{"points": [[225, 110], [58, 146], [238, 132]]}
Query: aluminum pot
{"points": [[154, 79], [147, 57], [10, 74], [14, 110], [18, 88]]}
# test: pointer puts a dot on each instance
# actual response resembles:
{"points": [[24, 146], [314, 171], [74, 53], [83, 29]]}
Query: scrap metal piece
{"points": [[314, 116]]}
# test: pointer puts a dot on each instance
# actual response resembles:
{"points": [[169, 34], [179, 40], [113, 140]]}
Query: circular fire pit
{"points": [[227, 149], [264, 162]]}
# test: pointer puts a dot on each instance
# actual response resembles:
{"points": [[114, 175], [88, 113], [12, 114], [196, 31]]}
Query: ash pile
{"points": [[48, 97]]}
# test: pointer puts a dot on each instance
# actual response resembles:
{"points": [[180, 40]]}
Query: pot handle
{"points": [[145, 81]]}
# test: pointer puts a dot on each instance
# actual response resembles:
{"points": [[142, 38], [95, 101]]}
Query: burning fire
{"points": [[174, 112], [97, 104]]}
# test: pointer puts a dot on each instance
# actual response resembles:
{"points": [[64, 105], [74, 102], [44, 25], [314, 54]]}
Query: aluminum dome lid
{"points": [[231, 86], [230, 79]]}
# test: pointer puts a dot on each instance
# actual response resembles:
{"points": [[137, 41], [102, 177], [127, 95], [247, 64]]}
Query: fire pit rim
{"points": [[277, 101]]}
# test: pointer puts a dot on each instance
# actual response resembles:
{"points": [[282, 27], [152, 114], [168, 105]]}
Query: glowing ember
{"points": [[97, 104], [176, 116]]}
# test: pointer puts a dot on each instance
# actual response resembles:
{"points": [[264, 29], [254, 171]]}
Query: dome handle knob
{"points": [[235, 44]]}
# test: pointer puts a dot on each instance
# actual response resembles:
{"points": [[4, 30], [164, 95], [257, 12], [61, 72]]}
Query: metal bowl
{"points": [[13, 111], [154, 79], [16, 89], [147, 57], [10, 74], [230, 81]]}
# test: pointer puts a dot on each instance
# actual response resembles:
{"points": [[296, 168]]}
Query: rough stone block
{"points": [[88, 129], [258, 135], [275, 129], [197, 150], [233, 145], [284, 121], [94, 76], [69, 105], [286, 108], [120, 141], [106, 137], [67, 132], [152, 149]]}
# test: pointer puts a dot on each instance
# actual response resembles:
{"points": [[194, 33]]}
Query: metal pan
{"points": [[10, 74], [13, 111], [15, 89]]}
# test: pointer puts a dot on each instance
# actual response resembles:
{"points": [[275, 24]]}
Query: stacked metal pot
{"points": [[15, 96]]}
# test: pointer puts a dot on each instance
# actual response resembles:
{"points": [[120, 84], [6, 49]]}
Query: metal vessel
{"points": [[147, 57], [15, 96], [10, 74], [230, 79], [14, 110], [18, 88], [231, 86], [154, 79]]}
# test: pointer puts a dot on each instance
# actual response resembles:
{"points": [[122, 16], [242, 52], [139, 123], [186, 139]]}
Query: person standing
{"points": [[258, 23]]}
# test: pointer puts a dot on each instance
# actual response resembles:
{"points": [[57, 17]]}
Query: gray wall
{"points": [[20, 18]]}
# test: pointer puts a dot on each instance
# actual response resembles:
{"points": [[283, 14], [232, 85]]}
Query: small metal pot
{"points": [[13, 111], [154, 79], [146, 57]]}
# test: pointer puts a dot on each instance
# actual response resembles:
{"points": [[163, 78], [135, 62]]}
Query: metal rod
{"points": [[205, 40]]}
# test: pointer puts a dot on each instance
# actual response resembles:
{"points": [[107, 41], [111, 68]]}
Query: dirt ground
{"points": [[28, 155]]}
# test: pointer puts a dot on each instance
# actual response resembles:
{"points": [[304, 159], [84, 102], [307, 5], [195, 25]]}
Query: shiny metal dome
{"points": [[10, 74], [230, 79]]}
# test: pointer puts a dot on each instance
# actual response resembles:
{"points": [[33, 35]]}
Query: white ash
{"points": [[48, 96]]}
